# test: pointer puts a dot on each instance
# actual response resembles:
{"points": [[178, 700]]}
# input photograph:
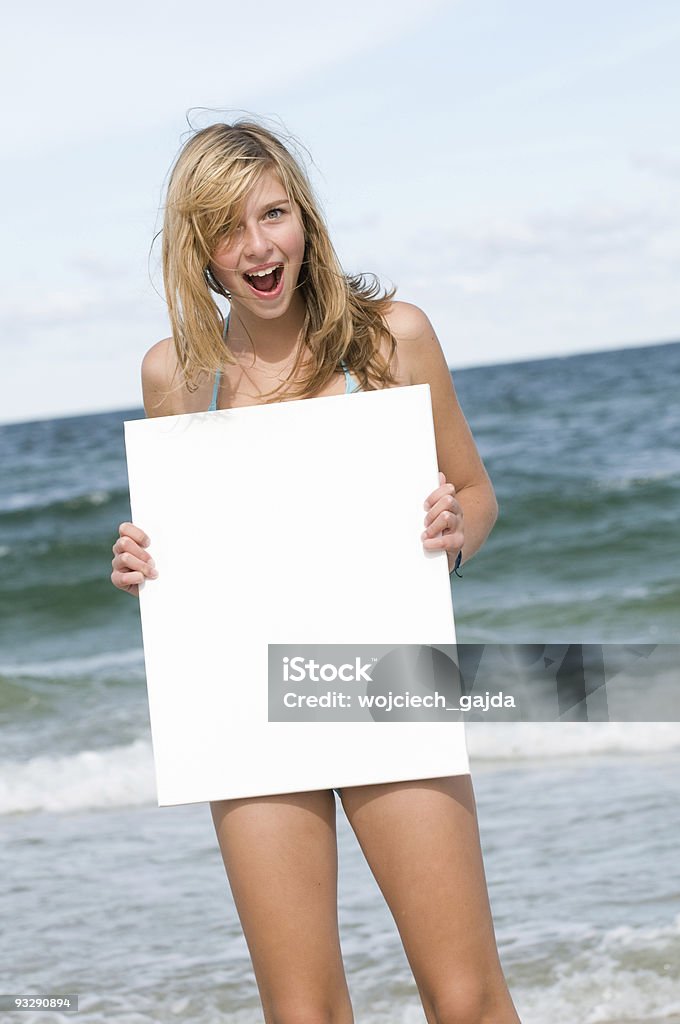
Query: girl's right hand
{"points": [[131, 563]]}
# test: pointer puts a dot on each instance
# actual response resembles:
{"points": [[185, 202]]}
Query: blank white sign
{"points": [[296, 522]]}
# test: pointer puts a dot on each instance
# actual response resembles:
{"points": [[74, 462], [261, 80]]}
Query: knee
{"points": [[468, 1002], [303, 1016], [305, 1013]]}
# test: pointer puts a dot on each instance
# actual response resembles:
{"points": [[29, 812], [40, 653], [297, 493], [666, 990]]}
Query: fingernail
{"points": [[153, 574], [151, 563]]}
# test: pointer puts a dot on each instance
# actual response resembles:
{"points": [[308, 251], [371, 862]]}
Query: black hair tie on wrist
{"points": [[458, 561]]}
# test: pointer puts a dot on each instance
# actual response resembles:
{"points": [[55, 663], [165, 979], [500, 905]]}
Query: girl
{"points": [[241, 222]]}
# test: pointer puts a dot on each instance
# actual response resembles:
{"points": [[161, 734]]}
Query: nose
{"points": [[256, 243]]}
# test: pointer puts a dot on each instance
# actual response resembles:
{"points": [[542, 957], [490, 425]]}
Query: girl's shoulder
{"points": [[405, 318], [418, 348], [163, 384], [159, 379]]}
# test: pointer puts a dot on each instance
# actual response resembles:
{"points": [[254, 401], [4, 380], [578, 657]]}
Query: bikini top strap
{"points": [[218, 375], [351, 384], [348, 379], [216, 387]]}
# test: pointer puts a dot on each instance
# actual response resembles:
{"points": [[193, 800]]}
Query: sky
{"points": [[514, 168]]}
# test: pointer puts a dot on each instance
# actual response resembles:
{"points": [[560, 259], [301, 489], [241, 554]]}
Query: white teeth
{"points": [[262, 273]]}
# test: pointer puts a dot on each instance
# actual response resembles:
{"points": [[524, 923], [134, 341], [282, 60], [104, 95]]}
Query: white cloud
{"points": [[511, 174], [572, 234], [549, 282], [660, 164], [79, 69]]}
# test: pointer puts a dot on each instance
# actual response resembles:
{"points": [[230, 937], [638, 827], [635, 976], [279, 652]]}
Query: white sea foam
{"points": [[539, 740], [627, 483], [601, 985], [68, 668], [113, 777], [38, 501], [95, 497], [534, 740], [596, 985], [124, 775], [601, 993], [596, 990], [626, 937]]}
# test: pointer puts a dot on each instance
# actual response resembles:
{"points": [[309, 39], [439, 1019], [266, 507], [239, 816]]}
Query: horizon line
{"points": [[452, 369]]}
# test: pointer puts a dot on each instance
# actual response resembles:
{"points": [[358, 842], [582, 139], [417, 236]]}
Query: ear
{"points": [[214, 284]]}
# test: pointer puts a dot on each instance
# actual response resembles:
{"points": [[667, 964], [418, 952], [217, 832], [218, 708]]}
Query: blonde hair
{"points": [[209, 183]]}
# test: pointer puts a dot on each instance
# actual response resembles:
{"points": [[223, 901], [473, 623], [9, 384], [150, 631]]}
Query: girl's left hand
{"points": [[444, 521]]}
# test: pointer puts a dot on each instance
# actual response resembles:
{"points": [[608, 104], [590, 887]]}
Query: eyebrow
{"points": [[275, 202]]}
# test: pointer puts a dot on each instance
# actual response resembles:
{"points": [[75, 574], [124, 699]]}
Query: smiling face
{"points": [[259, 262]]}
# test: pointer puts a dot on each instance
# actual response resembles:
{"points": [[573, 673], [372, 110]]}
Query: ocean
{"points": [[107, 896]]}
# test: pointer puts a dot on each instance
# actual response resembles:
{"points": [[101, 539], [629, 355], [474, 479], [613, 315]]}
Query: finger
{"points": [[129, 559], [439, 493], [126, 580], [448, 503], [445, 522], [126, 544], [127, 562], [445, 542], [134, 532]]}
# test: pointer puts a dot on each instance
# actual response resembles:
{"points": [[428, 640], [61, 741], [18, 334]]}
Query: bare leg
{"points": [[421, 840], [280, 854]]}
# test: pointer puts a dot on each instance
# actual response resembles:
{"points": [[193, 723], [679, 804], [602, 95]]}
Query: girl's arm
{"points": [[132, 563], [472, 509]]}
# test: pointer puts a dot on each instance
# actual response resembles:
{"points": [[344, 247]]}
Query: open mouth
{"points": [[266, 282]]}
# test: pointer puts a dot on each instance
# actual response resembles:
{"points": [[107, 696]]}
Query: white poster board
{"points": [[296, 522]]}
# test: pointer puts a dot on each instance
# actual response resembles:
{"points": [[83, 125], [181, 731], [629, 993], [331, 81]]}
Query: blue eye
{"points": [[276, 209]]}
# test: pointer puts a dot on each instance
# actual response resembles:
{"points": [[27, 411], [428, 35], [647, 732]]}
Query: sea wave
{"points": [[69, 668], [601, 992], [628, 974], [527, 741], [593, 984], [29, 503], [122, 776]]}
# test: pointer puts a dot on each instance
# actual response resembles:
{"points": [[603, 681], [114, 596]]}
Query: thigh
{"points": [[280, 855], [421, 840]]}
